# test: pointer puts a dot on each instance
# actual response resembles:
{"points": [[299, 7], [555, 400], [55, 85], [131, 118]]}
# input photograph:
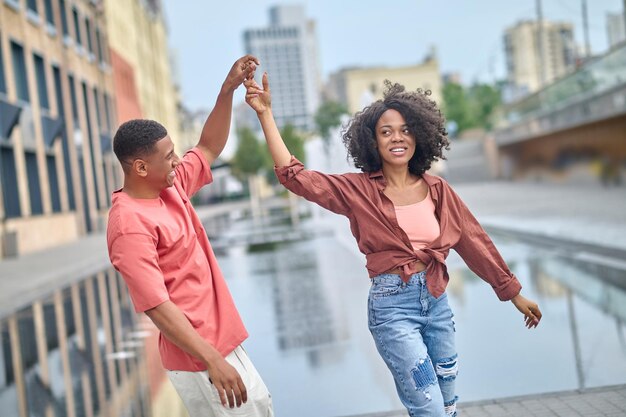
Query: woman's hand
{"points": [[530, 310], [260, 99]]}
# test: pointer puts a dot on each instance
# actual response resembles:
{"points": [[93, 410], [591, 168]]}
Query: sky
{"points": [[206, 36]]}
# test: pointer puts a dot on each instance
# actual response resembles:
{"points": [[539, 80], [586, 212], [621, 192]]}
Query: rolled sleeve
{"points": [[327, 190], [288, 172], [134, 256]]}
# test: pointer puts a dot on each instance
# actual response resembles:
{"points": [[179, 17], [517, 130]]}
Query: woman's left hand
{"points": [[530, 310]]}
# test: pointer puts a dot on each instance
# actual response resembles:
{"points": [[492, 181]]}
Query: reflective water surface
{"points": [[304, 305]]}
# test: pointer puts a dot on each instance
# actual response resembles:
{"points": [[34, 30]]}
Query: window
{"points": [[74, 102], [76, 26], [42, 87], [65, 138], [34, 187], [94, 166], [99, 49], [96, 99], [3, 86], [19, 69], [64, 26], [32, 6], [53, 180], [49, 12], [88, 30], [9, 183], [107, 112]]}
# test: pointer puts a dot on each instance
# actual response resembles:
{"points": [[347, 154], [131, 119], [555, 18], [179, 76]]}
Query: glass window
{"points": [[49, 12], [88, 30], [66, 31], [99, 49], [32, 5], [64, 138], [76, 26], [107, 112], [19, 70], [54, 183], [42, 87], [74, 102], [3, 86], [34, 187], [94, 165], [10, 192]]}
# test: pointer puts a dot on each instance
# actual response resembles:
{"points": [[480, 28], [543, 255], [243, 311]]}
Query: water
{"points": [[304, 305]]}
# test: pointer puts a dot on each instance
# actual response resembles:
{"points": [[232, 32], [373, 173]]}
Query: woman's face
{"points": [[396, 145]]}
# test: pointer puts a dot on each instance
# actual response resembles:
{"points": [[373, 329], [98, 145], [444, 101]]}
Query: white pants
{"points": [[202, 400]]}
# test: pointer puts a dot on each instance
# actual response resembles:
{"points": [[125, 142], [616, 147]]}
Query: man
{"points": [[158, 244]]}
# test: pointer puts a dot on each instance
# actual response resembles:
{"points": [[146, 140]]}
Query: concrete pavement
{"points": [[593, 402]]}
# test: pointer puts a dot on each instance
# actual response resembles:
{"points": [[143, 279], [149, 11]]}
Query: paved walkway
{"points": [[595, 402]]}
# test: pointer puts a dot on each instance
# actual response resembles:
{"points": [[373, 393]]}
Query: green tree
{"points": [[250, 157], [328, 115], [457, 106], [294, 142], [485, 99], [471, 107]]}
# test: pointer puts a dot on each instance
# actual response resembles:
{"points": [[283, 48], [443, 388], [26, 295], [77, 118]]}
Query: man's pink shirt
{"points": [[161, 249]]}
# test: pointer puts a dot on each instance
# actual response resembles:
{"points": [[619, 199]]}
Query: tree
{"points": [[456, 106], [485, 100], [328, 116], [473, 107], [250, 157], [294, 142]]}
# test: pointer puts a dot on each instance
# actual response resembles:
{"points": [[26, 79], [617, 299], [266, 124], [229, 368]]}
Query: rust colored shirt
{"points": [[360, 197]]}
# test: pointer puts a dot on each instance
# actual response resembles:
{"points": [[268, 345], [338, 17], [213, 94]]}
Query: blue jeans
{"points": [[414, 334]]}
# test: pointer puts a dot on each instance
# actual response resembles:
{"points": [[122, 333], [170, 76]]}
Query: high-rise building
{"points": [[288, 51], [359, 87], [56, 119], [536, 55], [615, 28], [142, 67]]}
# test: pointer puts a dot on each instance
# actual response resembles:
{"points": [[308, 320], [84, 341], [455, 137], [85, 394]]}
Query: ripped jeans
{"points": [[414, 334]]}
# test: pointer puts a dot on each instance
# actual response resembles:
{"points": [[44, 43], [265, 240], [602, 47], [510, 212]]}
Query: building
{"points": [[532, 64], [358, 87], [288, 51], [64, 317], [615, 28], [144, 82], [57, 115]]}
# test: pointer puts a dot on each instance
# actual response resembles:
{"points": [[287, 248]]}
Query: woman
{"points": [[405, 221]]}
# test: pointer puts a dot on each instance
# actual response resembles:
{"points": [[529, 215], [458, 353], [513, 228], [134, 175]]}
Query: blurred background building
{"points": [[58, 115], [288, 51], [615, 30], [538, 53], [358, 87], [70, 72], [142, 64]]}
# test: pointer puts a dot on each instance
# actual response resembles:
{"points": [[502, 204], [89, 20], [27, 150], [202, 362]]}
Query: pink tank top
{"points": [[419, 222]]}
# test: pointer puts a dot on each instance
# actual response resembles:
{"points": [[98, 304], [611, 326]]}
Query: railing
{"points": [[596, 91]]}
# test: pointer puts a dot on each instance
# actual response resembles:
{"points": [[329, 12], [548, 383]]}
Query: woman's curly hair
{"points": [[423, 118]]}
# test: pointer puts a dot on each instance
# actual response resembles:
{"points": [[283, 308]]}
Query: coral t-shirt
{"points": [[161, 249]]}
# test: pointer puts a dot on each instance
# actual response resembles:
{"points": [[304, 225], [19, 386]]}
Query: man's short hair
{"points": [[136, 139]]}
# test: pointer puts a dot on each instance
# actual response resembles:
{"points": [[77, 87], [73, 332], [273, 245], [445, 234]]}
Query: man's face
{"points": [[160, 165]]}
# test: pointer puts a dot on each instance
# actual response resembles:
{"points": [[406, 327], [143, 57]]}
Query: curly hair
{"points": [[136, 138], [423, 118]]}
